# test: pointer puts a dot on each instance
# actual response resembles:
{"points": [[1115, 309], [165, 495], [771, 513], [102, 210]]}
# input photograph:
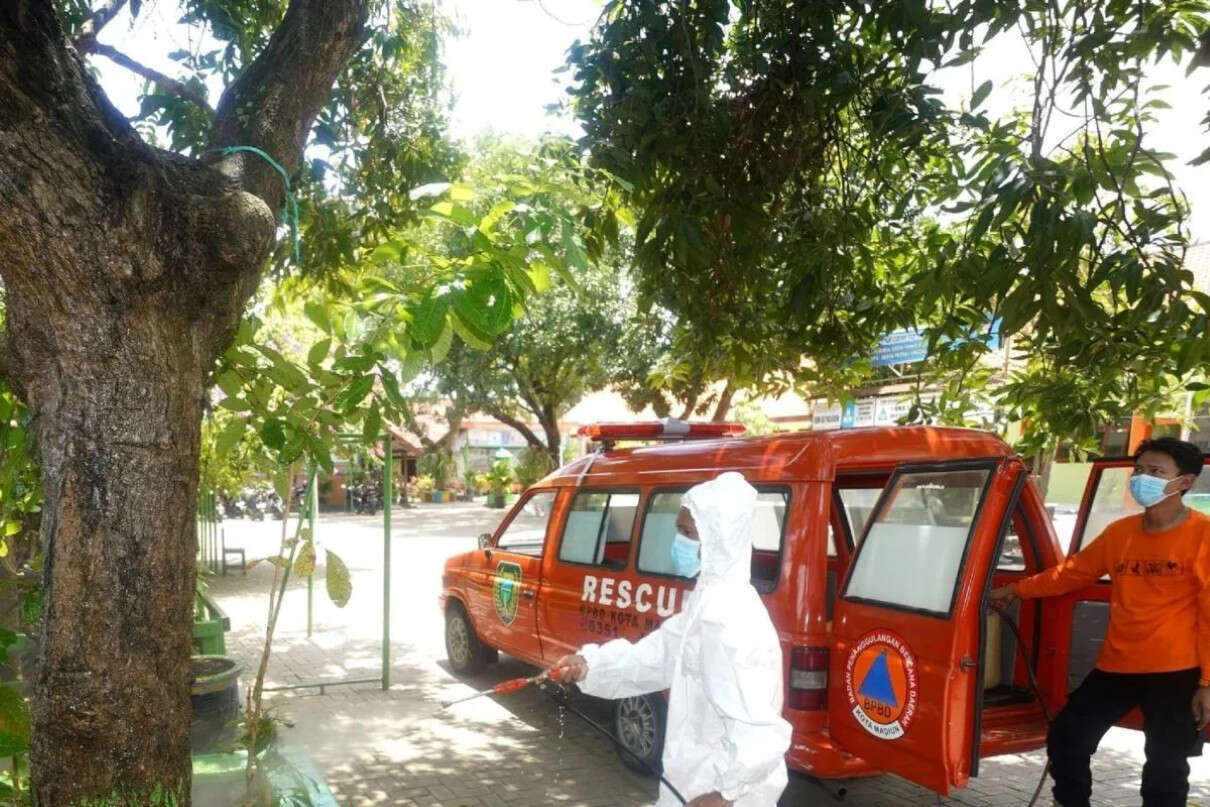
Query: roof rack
{"points": [[666, 429]]}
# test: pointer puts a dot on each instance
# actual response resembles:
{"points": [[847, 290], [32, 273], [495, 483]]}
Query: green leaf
{"points": [[278, 561], [981, 94], [371, 429], [390, 385], [429, 320], [339, 584], [576, 257], [486, 305], [304, 562], [235, 405], [12, 528], [230, 436], [442, 346], [31, 607], [319, 352], [318, 314], [230, 383], [14, 720], [462, 216], [273, 433], [354, 364], [352, 395], [469, 335]]}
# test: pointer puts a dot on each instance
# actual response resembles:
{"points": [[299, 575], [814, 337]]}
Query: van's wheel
{"points": [[462, 646], [639, 724]]}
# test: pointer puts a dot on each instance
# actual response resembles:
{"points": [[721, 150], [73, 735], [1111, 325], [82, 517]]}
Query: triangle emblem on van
{"points": [[877, 684]]}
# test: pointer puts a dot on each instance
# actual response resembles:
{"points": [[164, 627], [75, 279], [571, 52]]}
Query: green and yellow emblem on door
{"points": [[506, 591]]}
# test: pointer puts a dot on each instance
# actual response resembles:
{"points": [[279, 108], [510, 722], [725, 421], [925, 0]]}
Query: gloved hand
{"points": [[571, 668]]}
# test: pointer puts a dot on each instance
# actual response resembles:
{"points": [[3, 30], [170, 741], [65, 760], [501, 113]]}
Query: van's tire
{"points": [[638, 723], [465, 652]]}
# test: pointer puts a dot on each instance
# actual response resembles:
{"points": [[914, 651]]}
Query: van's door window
{"points": [[768, 530], [598, 529], [914, 549], [858, 505], [526, 533], [1112, 501]]}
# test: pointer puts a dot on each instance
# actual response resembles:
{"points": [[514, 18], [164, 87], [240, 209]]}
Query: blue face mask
{"points": [[1149, 490], [686, 556]]}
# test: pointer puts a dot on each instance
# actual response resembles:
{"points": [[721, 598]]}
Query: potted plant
{"points": [[439, 465], [424, 487], [470, 484], [500, 479]]}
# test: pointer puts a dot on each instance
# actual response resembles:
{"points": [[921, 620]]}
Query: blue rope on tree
{"points": [[289, 213]]}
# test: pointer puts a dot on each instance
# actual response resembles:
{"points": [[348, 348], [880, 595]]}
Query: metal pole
{"points": [[311, 505], [387, 495]]}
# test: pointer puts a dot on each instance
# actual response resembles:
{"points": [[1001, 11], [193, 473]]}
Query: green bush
{"points": [[535, 463]]}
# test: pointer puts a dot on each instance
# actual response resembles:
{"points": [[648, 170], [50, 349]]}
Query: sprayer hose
{"points": [[1007, 618], [560, 697]]}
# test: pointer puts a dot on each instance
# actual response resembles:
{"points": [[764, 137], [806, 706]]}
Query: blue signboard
{"points": [[900, 347], [910, 345]]}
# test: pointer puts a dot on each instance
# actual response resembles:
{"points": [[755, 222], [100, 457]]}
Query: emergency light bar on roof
{"points": [[667, 429]]}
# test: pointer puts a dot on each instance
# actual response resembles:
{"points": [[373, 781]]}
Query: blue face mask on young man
{"points": [[686, 556], [1148, 490]]}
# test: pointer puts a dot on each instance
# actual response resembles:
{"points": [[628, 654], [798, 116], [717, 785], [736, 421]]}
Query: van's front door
{"points": [[514, 570], [904, 667]]}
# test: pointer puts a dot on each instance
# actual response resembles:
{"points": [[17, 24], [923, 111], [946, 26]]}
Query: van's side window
{"points": [[913, 553], [598, 529], [768, 530], [858, 505], [526, 533]]}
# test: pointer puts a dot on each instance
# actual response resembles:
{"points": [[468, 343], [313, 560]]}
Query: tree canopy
{"points": [[801, 188]]}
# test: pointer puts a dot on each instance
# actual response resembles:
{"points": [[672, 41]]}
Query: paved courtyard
{"points": [[398, 747]]}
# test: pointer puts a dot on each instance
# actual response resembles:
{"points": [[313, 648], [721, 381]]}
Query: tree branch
{"points": [[274, 102], [86, 39], [170, 84], [526, 431]]}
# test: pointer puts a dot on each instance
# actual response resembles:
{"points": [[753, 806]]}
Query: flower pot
{"points": [[214, 697], [496, 500]]}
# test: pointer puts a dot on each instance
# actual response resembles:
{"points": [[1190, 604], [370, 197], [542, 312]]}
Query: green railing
{"points": [[209, 533]]}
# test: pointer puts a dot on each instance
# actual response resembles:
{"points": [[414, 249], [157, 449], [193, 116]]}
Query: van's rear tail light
{"points": [[809, 678]]}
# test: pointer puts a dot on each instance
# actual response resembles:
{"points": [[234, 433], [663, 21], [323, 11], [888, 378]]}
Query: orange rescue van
{"points": [[874, 551]]}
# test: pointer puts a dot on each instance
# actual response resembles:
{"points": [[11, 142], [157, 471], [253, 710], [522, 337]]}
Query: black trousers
{"points": [[1103, 699]]}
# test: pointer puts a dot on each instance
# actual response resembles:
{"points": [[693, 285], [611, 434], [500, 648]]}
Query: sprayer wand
{"points": [[544, 681], [508, 687]]}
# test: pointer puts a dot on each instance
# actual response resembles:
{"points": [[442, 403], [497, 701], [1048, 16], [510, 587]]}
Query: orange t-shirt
{"points": [[1159, 612]]}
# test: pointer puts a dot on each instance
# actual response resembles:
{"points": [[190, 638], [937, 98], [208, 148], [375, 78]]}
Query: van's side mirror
{"points": [[485, 540]]}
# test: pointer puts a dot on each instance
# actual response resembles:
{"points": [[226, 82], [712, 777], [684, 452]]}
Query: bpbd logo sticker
{"points": [[506, 590], [883, 684]]}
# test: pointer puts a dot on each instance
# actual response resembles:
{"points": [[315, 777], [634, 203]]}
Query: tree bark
{"points": [[554, 438], [126, 272], [724, 403]]}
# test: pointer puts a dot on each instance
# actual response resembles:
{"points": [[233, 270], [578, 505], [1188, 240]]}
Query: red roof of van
{"points": [[815, 455]]}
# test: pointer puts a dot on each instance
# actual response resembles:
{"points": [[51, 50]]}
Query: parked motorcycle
{"points": [[366, 498], [253, 506]]}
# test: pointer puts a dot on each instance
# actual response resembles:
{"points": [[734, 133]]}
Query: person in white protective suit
{"points": [[726, 740]]}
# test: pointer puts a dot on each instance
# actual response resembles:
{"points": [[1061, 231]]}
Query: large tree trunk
{"points": [[554, 439], [126, 271]]}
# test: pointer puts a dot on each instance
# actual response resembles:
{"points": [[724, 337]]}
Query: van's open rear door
{"points": [[905, 658]]}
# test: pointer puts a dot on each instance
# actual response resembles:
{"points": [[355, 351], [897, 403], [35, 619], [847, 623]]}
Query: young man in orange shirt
{"points": [[1156, 654]]}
